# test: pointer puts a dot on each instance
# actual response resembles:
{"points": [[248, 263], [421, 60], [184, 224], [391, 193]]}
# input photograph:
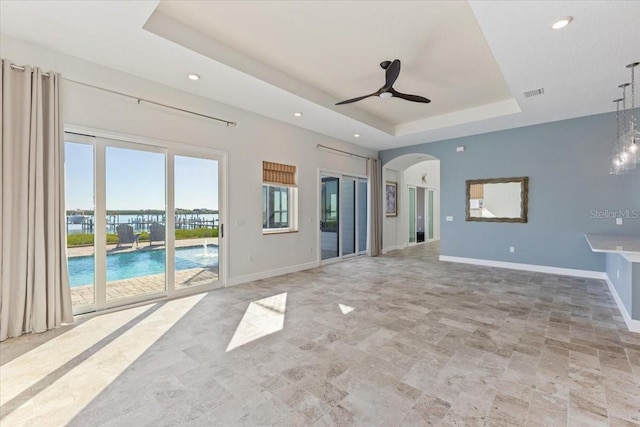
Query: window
{"points": [[279, 191]]}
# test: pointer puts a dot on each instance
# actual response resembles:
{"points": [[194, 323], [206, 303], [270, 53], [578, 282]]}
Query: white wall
{"points": [[253, 140], [391, 223]]}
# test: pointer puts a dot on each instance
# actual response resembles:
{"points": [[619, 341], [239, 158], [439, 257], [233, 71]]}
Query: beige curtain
{"points": [[374, 174], [34, 287]]}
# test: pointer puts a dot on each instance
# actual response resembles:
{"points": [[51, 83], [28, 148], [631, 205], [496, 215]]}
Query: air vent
{"points": [[535, 92]]}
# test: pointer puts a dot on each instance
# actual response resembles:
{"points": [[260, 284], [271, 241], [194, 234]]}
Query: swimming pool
{"points": [[139, 263]]}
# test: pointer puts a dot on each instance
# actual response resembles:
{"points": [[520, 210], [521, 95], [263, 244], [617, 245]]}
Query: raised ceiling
{"points": [[336, 47], [278, 65]]}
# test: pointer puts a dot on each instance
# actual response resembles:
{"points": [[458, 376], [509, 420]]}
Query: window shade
{"points": [[278, 173]]}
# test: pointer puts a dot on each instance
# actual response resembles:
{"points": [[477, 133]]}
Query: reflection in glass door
{"points": [[196, 222], [329, 212], [80, 224], [361, 210], [348, 219], [135, 207]]}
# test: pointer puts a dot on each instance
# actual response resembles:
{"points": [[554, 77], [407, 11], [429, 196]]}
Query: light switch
{"points": [[449, 219]]}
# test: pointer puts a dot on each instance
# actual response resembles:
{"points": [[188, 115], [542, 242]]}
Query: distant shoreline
{"points": [[145, 212]]}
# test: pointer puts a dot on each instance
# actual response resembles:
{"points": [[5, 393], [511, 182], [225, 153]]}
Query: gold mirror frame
{"points": [[524, 198]]}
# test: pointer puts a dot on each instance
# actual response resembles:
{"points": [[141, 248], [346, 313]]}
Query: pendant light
{"points": [[615, 160], [631, 138], [627, 155]]}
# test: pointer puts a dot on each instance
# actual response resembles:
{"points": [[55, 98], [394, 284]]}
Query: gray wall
{"points": [[567, 166]]}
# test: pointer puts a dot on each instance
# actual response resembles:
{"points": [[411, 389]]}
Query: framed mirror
{"points": [[497, 199]]}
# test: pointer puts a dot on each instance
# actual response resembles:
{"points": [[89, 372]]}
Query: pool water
{"points": [[139, 263]]}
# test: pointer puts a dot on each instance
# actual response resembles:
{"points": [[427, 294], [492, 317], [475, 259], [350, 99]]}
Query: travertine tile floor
{"points": [[397, 340]]}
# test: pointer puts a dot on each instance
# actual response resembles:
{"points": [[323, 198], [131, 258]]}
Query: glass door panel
{"points": [[80, 224], [135, 207], [412, 215], [362, 215], [196, 222], [329, 217], [430, 213], [348, 219]]}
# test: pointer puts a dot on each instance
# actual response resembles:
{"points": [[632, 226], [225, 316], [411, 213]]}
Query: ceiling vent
{"points": [[535, 92]]}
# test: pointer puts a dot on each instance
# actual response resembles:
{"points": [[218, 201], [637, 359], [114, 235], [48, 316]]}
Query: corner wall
{"points": [[570, 192]]}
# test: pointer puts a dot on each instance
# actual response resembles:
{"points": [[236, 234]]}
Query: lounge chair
{"points": [[156, 233], [126, 236]]}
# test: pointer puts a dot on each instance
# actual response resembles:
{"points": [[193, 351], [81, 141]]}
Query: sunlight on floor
{"points": [[345, 308], [47, 383], [263, 317]]}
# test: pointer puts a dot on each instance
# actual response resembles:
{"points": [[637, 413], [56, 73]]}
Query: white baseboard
{"points": [[632, 325], [271, 273], [393, 248], [589, 274]]}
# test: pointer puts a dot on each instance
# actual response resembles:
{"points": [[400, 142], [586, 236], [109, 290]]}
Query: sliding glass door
{"points": [[343, 216], [196, 222], [136, 206], [143, 221], [329, 215]]}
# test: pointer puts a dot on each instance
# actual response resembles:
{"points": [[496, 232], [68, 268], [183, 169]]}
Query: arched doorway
{"points": [[416, 220]]}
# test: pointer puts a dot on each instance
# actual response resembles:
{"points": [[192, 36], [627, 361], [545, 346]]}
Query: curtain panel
{"points": [[374, 174], [34, 287]]}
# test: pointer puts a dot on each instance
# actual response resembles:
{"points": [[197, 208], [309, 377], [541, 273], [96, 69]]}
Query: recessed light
{"points": [[193, 76], [297, 114], [356, 135], [562, 22]]}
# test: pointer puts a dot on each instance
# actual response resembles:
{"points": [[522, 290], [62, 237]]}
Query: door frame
{"points": [[322, 172], [100, 139]]}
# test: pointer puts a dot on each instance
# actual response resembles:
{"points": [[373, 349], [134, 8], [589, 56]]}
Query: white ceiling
{"points": [[579, 66]]}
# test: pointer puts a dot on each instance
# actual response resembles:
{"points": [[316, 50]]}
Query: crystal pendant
{"points": [[615, 162], [631, 143]]}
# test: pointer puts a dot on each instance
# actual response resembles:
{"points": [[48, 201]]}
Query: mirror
{"points": [[497, 200]]}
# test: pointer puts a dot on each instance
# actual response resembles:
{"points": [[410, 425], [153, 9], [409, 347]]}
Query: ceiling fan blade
{"points": [[414, 98], [393, 71], [349, 101]]}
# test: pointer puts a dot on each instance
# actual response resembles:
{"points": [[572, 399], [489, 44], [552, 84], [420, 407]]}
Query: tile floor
{"points": [[400, 340]]}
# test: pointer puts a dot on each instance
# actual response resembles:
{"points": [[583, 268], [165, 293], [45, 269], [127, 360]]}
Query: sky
{"points": [[136, 179]]}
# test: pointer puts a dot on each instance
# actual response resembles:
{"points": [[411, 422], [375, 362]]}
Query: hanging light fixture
{"points": [[631, 138], [627, 156], [615, 161]]}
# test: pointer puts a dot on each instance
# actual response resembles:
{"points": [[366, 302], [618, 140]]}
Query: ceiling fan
{"points": [[387, 91]]}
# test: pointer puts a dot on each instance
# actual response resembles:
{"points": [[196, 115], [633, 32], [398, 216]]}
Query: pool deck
{"points": [[143, 246], [144, 285]]}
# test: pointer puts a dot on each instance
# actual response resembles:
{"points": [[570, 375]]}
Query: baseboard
{"points": [[271, 273], [394, 248], [589, 274], [632, 325]]}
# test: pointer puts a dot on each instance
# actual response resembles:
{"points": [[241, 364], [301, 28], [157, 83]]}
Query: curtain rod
{"points": [[137, 98], [342, 151]]}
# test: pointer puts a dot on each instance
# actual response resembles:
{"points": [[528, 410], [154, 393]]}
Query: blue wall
{"points": [[567, 166]]}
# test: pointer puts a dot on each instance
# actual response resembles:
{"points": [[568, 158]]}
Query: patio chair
{"points": [[156, 233], [126, 236]]}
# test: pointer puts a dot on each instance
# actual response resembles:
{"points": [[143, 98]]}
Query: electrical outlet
{"points": [[618, 274], [239, 222], [512, 249], [449, 219], [618, 221]]}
